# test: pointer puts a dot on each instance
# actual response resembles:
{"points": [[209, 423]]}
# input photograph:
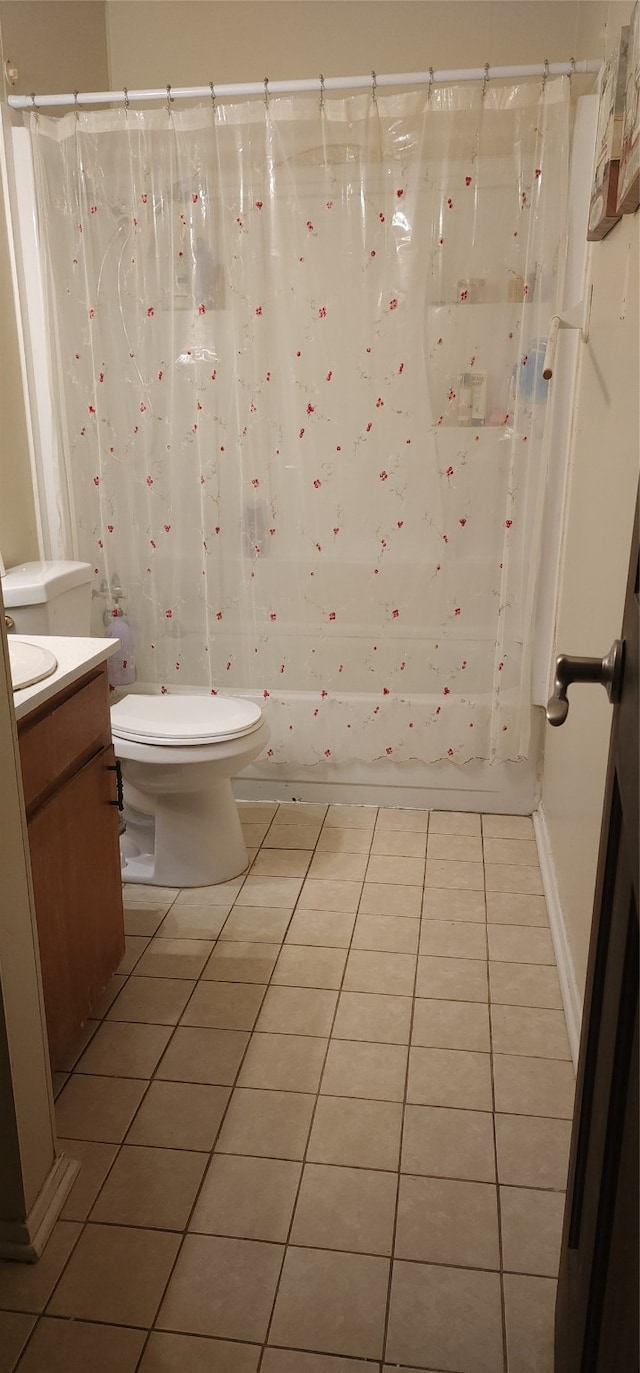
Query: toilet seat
{"points": [[177, 721]]}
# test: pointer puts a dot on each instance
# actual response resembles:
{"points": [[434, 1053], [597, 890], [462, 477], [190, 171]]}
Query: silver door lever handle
{"points": [[607, 671]]}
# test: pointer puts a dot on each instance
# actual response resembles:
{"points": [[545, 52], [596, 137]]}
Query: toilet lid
{"points": [[181, 720]]}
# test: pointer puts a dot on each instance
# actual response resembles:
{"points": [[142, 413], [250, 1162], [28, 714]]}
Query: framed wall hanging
{"points": [[603, 209], [629, 173]]}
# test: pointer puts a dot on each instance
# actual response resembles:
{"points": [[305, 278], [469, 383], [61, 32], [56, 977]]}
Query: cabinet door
{"points": [[75, 864]]}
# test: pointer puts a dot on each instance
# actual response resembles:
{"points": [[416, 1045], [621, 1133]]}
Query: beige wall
{"points": [[56, 46], [599, 520], [152, 42]]}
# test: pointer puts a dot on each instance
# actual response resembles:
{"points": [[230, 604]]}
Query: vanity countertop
{"points": [[75, 658]]}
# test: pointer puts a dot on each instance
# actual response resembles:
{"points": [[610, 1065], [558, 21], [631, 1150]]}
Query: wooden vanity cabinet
{"points": [[69, 782]]}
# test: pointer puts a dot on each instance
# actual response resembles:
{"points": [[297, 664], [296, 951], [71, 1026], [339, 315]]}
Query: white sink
{"points": [[29, 663]]}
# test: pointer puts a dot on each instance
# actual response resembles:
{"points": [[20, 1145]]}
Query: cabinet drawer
{"points": [[55, 742]]}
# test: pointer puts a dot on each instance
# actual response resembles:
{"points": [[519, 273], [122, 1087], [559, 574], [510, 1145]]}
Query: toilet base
{"points": [[191, 839]]}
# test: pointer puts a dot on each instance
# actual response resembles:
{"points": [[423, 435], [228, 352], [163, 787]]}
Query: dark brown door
{"points": [[597, 1305]]}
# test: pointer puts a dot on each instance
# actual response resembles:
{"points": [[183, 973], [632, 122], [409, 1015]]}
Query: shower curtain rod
{"points": [[319, 85]]}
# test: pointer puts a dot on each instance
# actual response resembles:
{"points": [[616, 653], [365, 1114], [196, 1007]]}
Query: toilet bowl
{"points": [[178, 755]]}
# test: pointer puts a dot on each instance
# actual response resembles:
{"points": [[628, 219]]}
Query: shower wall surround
{"points": [[296, 358]]}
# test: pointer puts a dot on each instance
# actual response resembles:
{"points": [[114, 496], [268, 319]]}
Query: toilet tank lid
{"points": [[35, 583]]}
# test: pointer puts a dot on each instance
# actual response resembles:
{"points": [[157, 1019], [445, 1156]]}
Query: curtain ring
{"points": [[321, 91], [485, 82], [213, 96], [374, 87], [168, 100], [126, 99], [76, 105], [545, 74], [572, 64], [430, 86], [266, 91], [34, 107]]}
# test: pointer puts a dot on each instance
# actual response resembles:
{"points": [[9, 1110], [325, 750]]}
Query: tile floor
{"points": [[323, 1120]]}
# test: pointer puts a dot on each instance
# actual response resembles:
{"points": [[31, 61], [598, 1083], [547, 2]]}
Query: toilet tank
{"points": [[49, 598]]}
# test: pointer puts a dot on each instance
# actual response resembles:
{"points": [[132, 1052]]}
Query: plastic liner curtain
{"points": [[297, 356]]}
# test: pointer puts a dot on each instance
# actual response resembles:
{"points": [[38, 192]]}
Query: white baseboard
{"points": [[23, 1241], [571, 998]]}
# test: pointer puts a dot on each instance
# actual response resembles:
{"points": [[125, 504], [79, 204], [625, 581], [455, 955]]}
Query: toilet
{"points": [[178, 753]]}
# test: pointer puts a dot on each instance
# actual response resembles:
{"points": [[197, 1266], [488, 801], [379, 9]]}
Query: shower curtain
{"points": [[296, 348]]}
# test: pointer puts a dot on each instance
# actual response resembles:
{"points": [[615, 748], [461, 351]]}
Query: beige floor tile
{"points": [[520, 944], [395, 871], [452, 979], [373, 1017], [511, 851], [453, 939], [179, 1115], [451, 1025], [121, 1049], [451, 903], [151, 1188], [507, 827], [134, 947], [533, 1086], [297, 1011], [513, 877], [333, 929], [363, 1134], [324, 894], [533, 1152], [331, 1301], [301, 812], [208, 1056], [234, 961], [390, 818], [255, 924], [254, 832], [374, 1071], [445, 1318], [15, 1328], [292, 836], [182, 958], [386, 898], [342, 867], [139, 894], [113, 987], [527, 1030], [167, 1353], [448, 1143], [224, 1005], [529, 1313], [249, 1198], [525, 984], [441, 1220], [222, 894], [531, 1224], [279, 892], [281, 863], [345, 1208], [293, 1361], [351, 817], [116, 1274], [386, 934], [301, 966], [95, 1161], [266, 1124], [393, 973], [453, 822], [222, 1287], [193, 922], [344, 841], [399, 843], [66, 1062], [252, 812], [140, 920], [98, 1108], [514, 908], [442, 872], [449, 1077], [454, 848], [72, 1346], [152, 1000], [28, 1286], [286, 1063]]}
